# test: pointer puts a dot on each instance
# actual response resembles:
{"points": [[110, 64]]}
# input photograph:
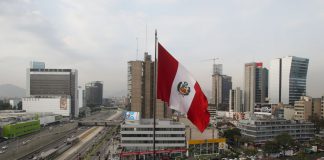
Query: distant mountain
{"points": [[11, 91]]}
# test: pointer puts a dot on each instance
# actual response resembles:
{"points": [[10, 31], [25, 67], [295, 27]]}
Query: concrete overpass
{"points": [[99, 123]]}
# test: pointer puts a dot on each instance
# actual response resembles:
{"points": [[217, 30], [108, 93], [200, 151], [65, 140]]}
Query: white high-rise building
{"points": [[288, 77], [44, 83]]}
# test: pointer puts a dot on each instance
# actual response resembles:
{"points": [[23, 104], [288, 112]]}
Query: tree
{"points": [[232, 135], [316, 120], [301, 156], [271, 147], [284, 141], [5, 106], [19, 105]]}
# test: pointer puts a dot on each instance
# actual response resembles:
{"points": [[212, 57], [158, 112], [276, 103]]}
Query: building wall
{"points": [[80, 96], [261, 131], [275, 81], [221, 85], [148, 85], [255, 85], [292, 73], [303, 108], [135, 85], [261, 88], [216, 89], [141, 88], [58, 82], [316, 107], [50, 104], [94, 92], [249, 86], [139, 137], [289, 113], [236, 100]]}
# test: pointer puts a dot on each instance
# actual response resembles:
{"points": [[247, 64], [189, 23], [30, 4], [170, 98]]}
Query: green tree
{"points": [[5, 106], [19, 105], [316, 120], [232, 135], [285, 141], [271, 147], [301, 156]]}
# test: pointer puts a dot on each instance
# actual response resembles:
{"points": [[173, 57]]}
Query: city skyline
{"points": [[99, 38]]}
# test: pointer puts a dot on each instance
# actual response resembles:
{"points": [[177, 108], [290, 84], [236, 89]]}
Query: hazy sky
{"points": [[98, 37]]}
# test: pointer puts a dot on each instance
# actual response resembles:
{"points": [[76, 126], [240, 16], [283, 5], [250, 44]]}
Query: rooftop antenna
{"points": [[136, 48]]}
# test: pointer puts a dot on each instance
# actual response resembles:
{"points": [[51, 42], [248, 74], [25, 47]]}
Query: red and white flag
{"points": [[180, 90]]}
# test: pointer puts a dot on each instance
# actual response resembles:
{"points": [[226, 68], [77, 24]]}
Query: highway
{"points": [[105, 149], [22, 146], [50, 137]]}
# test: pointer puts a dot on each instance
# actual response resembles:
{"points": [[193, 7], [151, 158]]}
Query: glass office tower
{"points": [[288, 77]]}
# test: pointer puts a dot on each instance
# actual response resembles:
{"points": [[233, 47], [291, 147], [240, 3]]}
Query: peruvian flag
{"points": [[180, 90]]}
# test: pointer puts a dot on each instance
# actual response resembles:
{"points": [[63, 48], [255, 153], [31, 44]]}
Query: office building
{"points": [[80, 96], [316, 107], [307, 107], [140, 89], [137, 136], [263, 130], [221, 85], [37, 65], [93, 93], [287, 82], [255, 85], [235, 100], [303, 108], [54, 83]]}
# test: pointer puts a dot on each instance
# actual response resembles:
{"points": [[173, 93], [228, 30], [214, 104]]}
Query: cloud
{"points": [[99, 37]]}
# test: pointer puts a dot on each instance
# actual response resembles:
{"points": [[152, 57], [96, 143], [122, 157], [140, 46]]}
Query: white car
{"points": [[4, 147], [2, 151]]}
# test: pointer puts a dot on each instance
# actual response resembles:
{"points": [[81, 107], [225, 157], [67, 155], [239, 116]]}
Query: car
{"points": [[4, 147], [2, 151]]}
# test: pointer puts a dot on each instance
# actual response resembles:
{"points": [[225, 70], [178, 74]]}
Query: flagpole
{"points": [[154, 100]]}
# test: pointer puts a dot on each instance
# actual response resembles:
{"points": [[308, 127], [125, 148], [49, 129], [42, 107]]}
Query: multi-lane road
{"points": [[55, 136]]}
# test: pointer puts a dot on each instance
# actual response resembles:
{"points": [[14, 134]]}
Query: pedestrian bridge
{"points": [[99, 123]]}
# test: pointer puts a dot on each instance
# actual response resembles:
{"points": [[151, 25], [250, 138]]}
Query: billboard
{"points": [[262, 108], [132, 116]]}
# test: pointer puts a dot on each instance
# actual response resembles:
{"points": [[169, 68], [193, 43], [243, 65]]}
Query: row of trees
{"points": [[282, 142], [7, 106]]}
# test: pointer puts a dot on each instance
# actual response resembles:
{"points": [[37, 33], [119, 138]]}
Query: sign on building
{"points": [[262, 108], [132, 116]]}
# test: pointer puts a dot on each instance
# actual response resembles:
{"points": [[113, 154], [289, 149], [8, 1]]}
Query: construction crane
{"points": [[212, 59], [214, 65]]}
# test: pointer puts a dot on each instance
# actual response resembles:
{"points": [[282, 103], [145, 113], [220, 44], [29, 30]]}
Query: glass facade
{"points": [[288, 77]]}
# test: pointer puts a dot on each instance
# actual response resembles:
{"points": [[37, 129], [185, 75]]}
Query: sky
{"points": [[99, 37]]}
